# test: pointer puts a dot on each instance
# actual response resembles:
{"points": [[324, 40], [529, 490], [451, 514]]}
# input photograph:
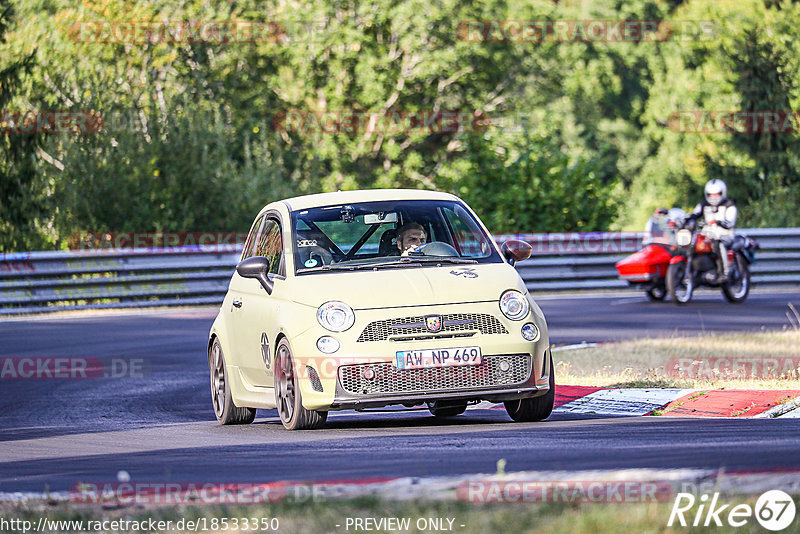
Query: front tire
{"points": [[680, 283], [537, 408], [736, 290], [657, 293], [288, 398], [225, 410]]}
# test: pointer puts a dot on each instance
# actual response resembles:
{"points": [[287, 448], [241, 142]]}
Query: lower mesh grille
{"points": [[386, 378], [316, 383]]}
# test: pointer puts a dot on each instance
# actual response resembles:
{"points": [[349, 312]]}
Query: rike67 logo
{"points": [[774, 510]]}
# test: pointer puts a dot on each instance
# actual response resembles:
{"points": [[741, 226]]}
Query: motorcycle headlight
{"points": [[336, 316], [514, 305], [683, 237]]}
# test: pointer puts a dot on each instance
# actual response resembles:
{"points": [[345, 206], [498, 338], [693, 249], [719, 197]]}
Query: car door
{"points": [[254, 311], [233, 299]]}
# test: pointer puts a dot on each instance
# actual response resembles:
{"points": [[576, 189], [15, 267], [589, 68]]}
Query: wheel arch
{"points": [[280, 337], [211, 339]]}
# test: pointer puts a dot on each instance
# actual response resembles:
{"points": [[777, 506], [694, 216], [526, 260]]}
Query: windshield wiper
{"points": [[403, 262], [398, 263], [336, 267], [415, 260], [442, 259], [328, 268]]}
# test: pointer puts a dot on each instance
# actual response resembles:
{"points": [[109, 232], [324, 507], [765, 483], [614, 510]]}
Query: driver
{"points": [[719, 213], [409, 237]]}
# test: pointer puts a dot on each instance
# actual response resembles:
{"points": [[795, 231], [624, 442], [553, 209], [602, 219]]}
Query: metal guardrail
{"points": [[586, 261], [52, 281]]}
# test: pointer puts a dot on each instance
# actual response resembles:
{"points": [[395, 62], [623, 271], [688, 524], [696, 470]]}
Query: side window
{"points": [[470, 240], [270, 245], [252, 239]]}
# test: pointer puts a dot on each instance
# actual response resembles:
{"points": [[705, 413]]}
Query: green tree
{"points": [[526, 182], [765, 81], [22, 201]]}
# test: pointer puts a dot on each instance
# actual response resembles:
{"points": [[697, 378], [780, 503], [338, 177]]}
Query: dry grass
{"points": [[642, 362]]}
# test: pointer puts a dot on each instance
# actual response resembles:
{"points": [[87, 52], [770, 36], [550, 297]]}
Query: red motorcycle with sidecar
{"points": [[647, 268], [677, 258]]}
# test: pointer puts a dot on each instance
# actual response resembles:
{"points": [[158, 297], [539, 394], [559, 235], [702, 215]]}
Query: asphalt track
{"points": [[159, 427]]}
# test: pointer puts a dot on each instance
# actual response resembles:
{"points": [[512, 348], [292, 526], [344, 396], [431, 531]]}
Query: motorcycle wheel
{"points": [[737, 287], [657, 293], [679, 285]]}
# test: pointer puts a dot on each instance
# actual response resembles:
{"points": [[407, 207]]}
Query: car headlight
{"points": [[336, 316], [514, 305]]}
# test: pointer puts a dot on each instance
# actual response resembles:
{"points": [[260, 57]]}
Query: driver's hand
{"points": [[410, 249]]}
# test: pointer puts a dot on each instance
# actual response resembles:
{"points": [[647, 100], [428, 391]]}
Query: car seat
{"points": [[388, 244]]}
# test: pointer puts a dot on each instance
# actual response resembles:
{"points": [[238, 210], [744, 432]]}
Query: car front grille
{"points": [[386, 378], [451, 322]]}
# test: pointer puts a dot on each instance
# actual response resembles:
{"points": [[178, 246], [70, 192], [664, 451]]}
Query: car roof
{"points": [[364, 195]]}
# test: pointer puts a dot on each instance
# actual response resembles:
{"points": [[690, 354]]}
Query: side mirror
{"points": [[515, 251], [256, 267]]}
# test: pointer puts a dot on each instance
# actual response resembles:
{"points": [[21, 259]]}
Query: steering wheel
{"points": [[437, 248]]}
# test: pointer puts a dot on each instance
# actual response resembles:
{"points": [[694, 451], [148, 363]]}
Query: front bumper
{"points": [[335, 382], [345, 402]]}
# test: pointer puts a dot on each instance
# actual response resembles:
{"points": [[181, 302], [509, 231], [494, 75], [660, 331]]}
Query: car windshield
{"points": [[365, 235]]}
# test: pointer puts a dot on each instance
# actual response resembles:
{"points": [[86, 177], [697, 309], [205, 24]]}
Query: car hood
{"points": [[408, 286]]}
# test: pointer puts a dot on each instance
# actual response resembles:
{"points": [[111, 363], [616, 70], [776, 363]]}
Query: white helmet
{"points": [[716, 187]]}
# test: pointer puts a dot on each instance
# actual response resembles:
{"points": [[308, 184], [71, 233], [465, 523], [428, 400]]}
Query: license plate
{"points": [[427, 358]]}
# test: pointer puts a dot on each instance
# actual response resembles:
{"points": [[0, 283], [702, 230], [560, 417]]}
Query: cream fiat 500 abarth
{"points": [[329, 309]]}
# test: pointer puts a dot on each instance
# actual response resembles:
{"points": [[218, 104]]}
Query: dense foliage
{"points": [[567, 135]]}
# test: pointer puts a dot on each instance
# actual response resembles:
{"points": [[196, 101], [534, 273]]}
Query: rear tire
{"points": [[679, 286], [225, 410], [537, 408], [446, 410], [737, 292], [288, 398]]}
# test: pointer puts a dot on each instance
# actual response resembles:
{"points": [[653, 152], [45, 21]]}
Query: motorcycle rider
{"points": [[719, 213]]}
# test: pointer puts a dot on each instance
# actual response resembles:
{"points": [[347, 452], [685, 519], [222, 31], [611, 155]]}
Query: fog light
{"points": [[328, 344], [505, 366], [530, 332], [368, 373]]}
